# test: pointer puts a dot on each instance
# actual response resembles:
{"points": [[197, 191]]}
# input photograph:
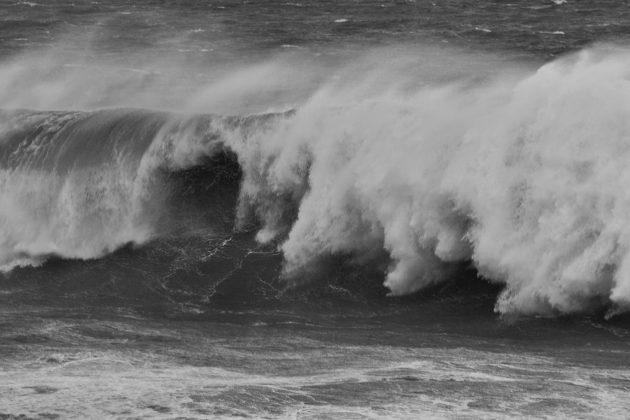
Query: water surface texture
{"points": [[314, 210]]}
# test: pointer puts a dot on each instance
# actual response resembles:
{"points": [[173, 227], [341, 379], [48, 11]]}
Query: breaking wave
{"points": [[526, 177]]}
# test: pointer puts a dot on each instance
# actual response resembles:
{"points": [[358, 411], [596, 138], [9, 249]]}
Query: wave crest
{"points": [[525, 177]]}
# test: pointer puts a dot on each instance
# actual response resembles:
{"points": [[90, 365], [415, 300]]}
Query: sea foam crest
{"points": [[527, 178]]}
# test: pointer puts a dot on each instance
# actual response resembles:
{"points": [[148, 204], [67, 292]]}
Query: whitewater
{"points": [[435, 160]]}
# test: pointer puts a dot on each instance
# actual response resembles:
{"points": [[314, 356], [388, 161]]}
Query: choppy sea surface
{"points": [[314, 210]]}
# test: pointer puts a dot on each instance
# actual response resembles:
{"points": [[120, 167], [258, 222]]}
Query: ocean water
{"points": [[314, 210]]}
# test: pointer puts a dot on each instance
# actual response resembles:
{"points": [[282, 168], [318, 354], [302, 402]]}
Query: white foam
{"points": [[527, 178]]}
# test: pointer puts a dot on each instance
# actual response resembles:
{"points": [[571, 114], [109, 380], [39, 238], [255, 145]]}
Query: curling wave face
{"points": [[524, 176]]}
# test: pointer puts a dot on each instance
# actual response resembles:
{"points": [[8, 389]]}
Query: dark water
{"points": [[200, 202], [237, 29]]}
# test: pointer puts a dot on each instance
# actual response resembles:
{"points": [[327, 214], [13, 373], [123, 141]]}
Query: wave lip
{"points": [[82, 184]]}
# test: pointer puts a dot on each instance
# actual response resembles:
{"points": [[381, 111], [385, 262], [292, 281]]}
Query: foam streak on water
{"points": [[232, 371]]}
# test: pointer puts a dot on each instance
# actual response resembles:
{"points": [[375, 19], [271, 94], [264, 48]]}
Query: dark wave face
{"points": [[110, 187], [141, 208]]}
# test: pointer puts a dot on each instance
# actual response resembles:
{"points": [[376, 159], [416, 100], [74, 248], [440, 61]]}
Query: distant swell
{"points": [[525, 177]]}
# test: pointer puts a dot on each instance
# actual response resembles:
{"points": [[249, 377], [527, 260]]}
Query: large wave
{"points": [[522, 175]]}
